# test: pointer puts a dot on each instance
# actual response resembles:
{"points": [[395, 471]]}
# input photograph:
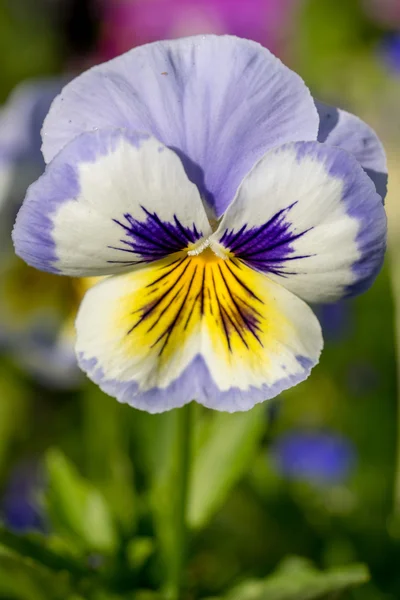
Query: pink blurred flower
{"points": [[128, 23], [384, 11]]}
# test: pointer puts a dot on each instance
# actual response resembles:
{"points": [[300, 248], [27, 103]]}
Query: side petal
{"points": [[109, 201], [340, 128], [221, 102], [310, 217], [195, 328]]}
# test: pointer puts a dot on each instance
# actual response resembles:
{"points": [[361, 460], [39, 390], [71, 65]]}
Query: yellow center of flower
{"points": [[198, 298]]}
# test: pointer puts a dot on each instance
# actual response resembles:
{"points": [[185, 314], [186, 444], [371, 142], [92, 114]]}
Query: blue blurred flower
{"points": [[314, 456], [389, 50], [20, 506], [33, 308], [335, 320]]}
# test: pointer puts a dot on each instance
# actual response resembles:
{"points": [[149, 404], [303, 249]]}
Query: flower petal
{"points": [[340, 128], [109, 201], [308, 216], [195, 327], [220, 102]]}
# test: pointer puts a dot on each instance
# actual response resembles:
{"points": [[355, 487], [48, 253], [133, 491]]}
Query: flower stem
{"points": [[183, 447]]}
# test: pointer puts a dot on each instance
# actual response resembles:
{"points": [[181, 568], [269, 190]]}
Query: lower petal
{"points": [[195, 328]]}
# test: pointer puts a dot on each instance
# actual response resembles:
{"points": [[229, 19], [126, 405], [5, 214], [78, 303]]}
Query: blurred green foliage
{"points": [[27, 49]]}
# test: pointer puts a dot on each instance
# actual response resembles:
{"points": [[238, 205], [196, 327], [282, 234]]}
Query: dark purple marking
{"points": [[153, 239], [267, 247]]}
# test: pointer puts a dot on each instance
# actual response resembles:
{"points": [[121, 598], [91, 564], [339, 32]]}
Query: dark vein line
{"points": [[160, 299], [191, 311], [180, 261], [243, 316], [154, 217], [164, 310], [236, 328], [140, 235], [183, 230], [288, 240], [202, 291], [221, 314], [259, 230], [172, 325], [240, 282]]}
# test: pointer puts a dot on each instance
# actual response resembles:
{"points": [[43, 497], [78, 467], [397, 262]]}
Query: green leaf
{"points": [[20, 578], [297, 579], [76, 508], [30, 569], [139, 551], [224, 456], [41, 550]]}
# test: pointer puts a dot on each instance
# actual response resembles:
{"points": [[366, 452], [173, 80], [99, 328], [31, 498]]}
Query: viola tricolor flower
{"points": [[191, 171]]}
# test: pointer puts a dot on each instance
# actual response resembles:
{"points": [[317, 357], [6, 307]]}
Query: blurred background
{"points": [[303, 489]]}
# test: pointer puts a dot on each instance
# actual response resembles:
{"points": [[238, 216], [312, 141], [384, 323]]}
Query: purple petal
{"points": [[220, 102]]}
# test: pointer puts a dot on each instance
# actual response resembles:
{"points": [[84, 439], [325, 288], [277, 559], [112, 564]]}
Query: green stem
{"points": [[183, 447]]}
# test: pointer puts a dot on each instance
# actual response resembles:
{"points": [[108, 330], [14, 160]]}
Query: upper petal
{"points": [[110, 200], [310, 217], [340, 128], [221, 102]]}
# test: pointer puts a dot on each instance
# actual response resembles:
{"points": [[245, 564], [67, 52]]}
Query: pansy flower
{"points": [[201, 176]]}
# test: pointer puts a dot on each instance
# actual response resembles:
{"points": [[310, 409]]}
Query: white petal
{"points": [[110, 200], [200, 328], [310, 217]]}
